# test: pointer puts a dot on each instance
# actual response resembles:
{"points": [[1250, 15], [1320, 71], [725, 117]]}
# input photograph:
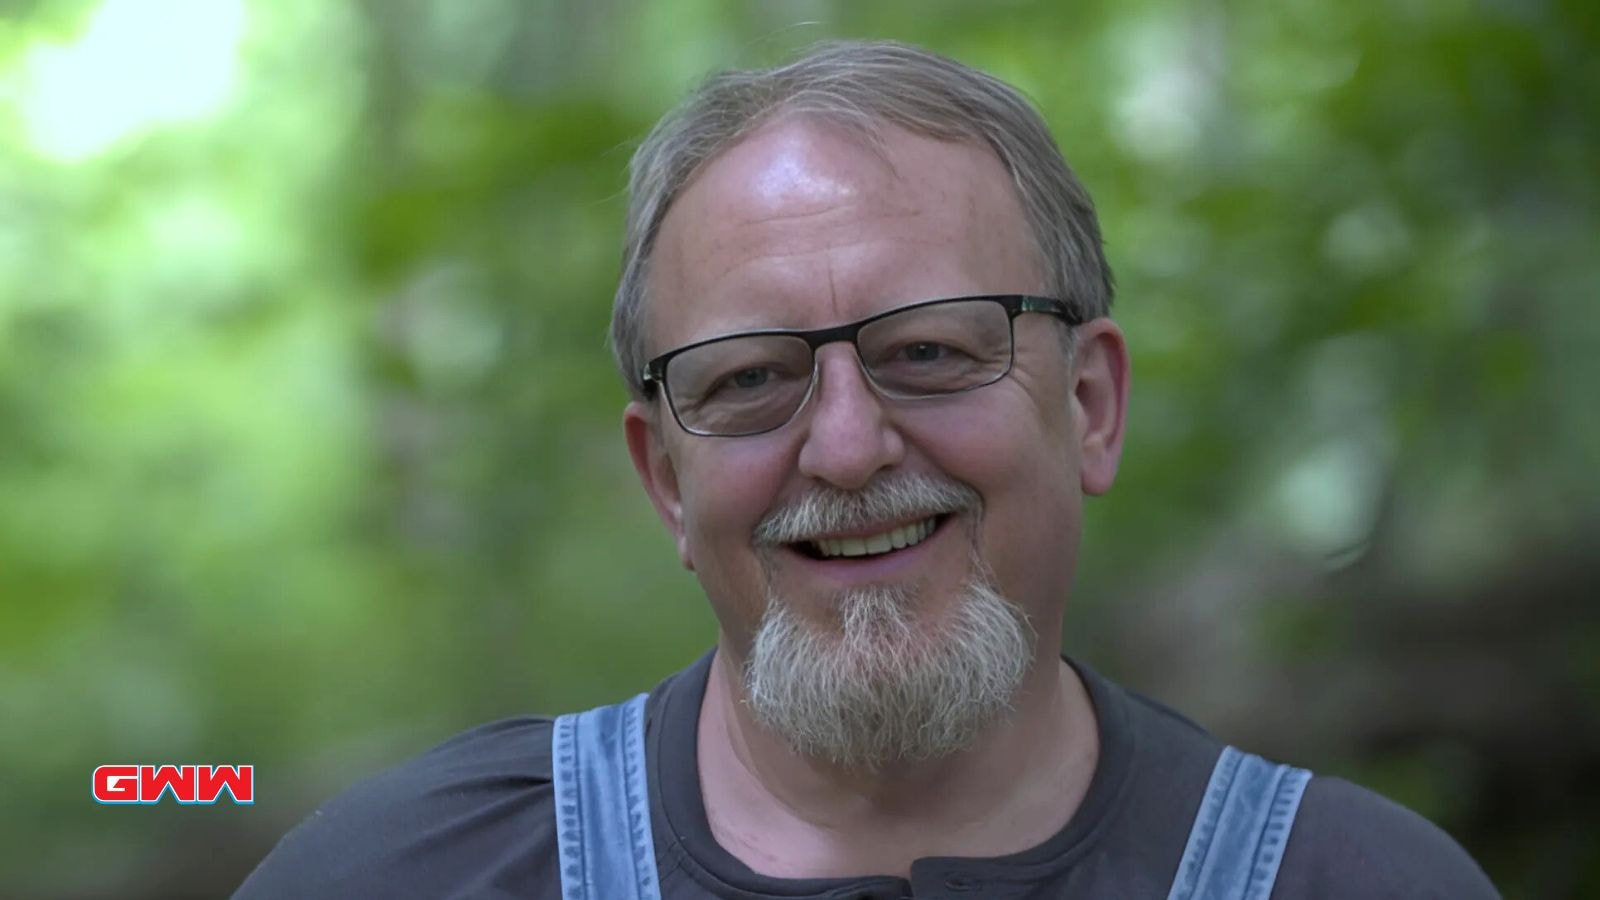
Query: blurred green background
{"points": [[310, 448]]}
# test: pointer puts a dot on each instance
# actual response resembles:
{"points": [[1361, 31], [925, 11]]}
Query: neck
{"points": [[789, 815]]}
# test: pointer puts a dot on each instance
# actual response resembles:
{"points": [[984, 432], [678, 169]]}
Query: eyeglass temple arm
{"points": [[1050, 305]]}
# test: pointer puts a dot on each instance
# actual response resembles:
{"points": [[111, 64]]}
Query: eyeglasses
{"points": [[749, 383]]}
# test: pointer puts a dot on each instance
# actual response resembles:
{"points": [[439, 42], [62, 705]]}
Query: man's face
{"points": [[802, 226]]}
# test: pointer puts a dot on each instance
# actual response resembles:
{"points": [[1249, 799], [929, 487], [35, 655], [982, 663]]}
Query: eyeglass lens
{"points": [[753, 383]]}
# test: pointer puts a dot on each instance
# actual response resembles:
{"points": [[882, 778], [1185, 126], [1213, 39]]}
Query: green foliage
{"points": [[309, 441]]}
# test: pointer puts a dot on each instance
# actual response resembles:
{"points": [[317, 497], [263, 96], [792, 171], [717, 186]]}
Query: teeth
{"points": [[896, 539]]}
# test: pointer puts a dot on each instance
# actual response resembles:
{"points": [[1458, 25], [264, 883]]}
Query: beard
{"points": [[883, 685]]}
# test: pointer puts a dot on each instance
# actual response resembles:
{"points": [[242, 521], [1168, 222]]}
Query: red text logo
{"points": [[185, 784]]}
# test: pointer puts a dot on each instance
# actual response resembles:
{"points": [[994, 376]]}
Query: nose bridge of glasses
{"points": [[842, 384], [847, 364]]}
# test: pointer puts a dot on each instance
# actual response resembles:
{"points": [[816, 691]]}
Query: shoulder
{"points": [[1350, 842], [471, 817]]}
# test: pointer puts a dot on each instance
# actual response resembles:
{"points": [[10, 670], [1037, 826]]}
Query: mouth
{"points": [[870, 545]]}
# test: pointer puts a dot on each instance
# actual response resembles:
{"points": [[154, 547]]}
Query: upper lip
{"points": [[866, 531]]}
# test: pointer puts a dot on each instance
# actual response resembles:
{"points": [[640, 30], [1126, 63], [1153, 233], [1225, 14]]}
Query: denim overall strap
{"points": [[1240, 832], [603, 805]]}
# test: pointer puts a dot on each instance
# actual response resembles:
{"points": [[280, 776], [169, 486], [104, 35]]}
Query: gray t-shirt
{"points": [[474, 817]]}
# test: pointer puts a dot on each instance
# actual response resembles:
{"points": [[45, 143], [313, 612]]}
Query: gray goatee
{"points": [[883, 684]]}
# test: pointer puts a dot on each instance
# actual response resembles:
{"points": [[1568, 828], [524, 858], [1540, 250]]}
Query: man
{"points": [[863, 316]]}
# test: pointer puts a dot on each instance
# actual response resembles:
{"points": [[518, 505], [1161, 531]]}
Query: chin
{"points": [[881, 682]]}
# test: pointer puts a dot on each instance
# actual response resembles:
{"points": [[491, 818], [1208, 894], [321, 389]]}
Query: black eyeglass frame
{"points": [[654, 374]]}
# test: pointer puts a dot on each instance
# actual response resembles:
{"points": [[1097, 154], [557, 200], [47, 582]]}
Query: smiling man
{"points": [[863, 317]]}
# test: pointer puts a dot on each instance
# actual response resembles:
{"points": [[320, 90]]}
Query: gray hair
{"points": [[861, 86]]}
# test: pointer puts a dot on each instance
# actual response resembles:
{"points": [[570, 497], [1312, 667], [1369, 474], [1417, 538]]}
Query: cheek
{"points": [[1031, 527], [1005, 448], [725, 493], [1023, 466], [727, 488]]}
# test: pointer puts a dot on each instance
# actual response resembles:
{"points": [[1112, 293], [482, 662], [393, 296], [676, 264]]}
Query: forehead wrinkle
{"points": [[810, 242], [840, 308]]}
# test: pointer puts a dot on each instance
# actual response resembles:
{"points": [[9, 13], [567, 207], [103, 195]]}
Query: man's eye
{"points": [[750, 378], [924, 351]]}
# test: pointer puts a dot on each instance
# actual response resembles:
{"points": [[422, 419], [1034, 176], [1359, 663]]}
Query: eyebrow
{"points": [[768, 328]]}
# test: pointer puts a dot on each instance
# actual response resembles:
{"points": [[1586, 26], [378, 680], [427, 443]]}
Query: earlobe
{"points": [[656, 472], [1100, 399]]}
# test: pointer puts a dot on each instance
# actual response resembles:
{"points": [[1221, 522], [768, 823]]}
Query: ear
{"points": [[660, 479], [1100, 402]]}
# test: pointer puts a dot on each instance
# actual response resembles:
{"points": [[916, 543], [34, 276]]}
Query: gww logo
{"points": [[186, 784]]}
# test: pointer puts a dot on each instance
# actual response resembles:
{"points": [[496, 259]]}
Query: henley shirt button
{"points": [[960, 883]]}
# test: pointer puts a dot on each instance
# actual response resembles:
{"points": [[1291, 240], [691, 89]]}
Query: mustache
{"points": [[889, 499]]}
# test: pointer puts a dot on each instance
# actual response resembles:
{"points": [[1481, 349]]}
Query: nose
{"points": [[849, 435]]}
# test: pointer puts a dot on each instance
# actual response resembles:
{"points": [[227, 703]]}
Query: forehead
{"points": [[803, 224]]}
